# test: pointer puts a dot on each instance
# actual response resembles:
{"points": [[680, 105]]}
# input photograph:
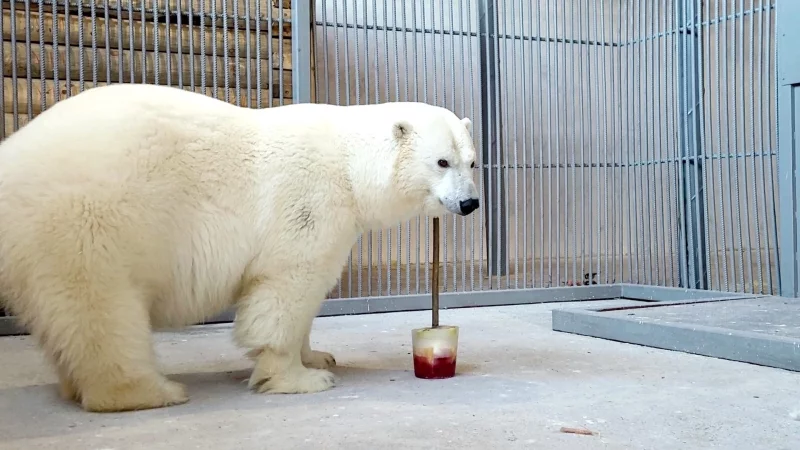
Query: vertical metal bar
{"points": [[462, 90], [531, 127], [4, 133], [723, 282], [738, 62], [692, 148], [42, 71], [281, 32], [627, 143], [167, 50], [156, 56], [600, 74], [700, 121], [425, 97], [388, 98], [526, 175], [107, 36], [733, 206], [237, 71], [653, 273], [348, 100], [765, 101], [407, 224], [271, 57], [249, 57], [756, 223], [214, 41], [640, 157], [490, 121], [453, 101], [788, 100], [552, 67], [671, 172], [190, 31], [444, 104], [28, 59], [414, 35], [607, 124], [357, 67], [585, 101], [407, 77], [570, 50], [615, 84], [511, 110], [500, 127], [558, 164], [256, 55], [585, 143], [371, 234], [378, 97], [721, 210], [226, 65], [772, 84], [203, 53], [472, 116]]}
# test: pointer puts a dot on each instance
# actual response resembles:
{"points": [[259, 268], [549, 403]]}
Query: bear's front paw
{"points": [[294, 382], [318, 360]]}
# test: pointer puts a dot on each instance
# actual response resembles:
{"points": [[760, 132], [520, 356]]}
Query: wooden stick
{"points": [[435, 275], [582, 431]]}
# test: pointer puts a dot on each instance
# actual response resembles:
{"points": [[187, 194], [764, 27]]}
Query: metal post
{"points": [[301, 50], [690, 100], [493, 188], [788, 98]]}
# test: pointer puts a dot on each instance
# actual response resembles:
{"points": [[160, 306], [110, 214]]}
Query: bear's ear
{"points": [[401, 130], [467, 124]]}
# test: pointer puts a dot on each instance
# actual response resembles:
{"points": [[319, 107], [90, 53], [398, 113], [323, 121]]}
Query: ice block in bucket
{"points": [[435, 352]]}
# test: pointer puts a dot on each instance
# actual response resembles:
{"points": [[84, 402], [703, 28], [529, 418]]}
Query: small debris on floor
{"points": [[583, 431]]}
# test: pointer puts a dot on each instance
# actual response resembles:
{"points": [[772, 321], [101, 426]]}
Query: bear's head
{"points": [[435, 162]]}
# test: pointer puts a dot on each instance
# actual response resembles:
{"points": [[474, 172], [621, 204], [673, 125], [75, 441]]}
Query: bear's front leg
{"points": [[274, 317]]}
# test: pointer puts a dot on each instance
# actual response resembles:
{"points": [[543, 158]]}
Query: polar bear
{"points": [[128, 208]]}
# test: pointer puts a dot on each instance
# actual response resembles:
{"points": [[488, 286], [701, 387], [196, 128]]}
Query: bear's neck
{"points": [[379, 202]]}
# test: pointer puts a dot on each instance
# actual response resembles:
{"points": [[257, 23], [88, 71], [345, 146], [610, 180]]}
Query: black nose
{"points": [[467, 206]]}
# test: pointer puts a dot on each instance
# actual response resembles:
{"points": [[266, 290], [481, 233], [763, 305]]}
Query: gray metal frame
{"points": [[788, 90], [491, 124], [694, 254]]}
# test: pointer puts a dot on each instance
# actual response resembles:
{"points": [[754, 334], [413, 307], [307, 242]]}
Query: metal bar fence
{"points": [[619, 142]]}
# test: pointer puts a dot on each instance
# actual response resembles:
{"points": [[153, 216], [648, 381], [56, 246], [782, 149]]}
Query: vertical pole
{"points": [[435, 275], [301, 50], [493, 189], [690, 101], [787, 36]]}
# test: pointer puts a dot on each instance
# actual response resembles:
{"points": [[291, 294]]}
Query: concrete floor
{"points": [[519, 382]]}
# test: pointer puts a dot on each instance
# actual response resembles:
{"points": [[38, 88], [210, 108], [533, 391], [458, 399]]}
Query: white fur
{"points": [[132, 206]]}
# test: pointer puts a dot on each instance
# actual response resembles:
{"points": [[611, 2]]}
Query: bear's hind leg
{"points": [[274, 318], [101, 345]]}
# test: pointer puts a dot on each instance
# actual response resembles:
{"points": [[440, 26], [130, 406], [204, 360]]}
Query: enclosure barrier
{"points": [[619, 142]]}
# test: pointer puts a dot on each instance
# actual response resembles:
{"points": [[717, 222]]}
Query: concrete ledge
{"points": [[724, 343]]}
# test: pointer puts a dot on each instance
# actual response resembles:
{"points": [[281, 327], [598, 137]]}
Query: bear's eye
{"points": [[443, 164], [472, 166]]}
